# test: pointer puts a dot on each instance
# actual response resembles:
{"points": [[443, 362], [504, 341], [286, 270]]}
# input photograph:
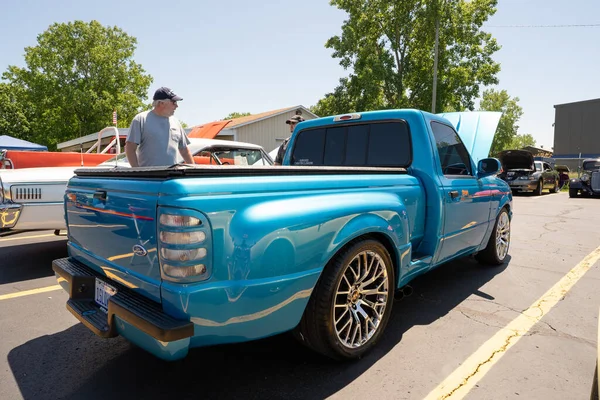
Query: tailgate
{"points": [[112, 228]]}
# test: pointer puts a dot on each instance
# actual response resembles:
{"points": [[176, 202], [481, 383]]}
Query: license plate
{"points": [[103, 292]]}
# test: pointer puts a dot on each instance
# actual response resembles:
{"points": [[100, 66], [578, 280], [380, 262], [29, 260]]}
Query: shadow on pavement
{"points": [[75, 364], [21, 262]]}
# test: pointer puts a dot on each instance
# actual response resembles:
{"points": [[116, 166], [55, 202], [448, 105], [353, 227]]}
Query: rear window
{"points": [[383, 144]]}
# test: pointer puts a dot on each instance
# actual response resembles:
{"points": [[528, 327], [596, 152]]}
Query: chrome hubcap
{"points": [[361, 299], [502, 236]]}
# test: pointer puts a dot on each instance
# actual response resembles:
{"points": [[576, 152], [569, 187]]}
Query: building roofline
{"points": [[577, 102], [92, 137], [283, 111]]}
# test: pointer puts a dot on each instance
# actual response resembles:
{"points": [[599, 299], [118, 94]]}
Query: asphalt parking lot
{"points": [[540, 346]]}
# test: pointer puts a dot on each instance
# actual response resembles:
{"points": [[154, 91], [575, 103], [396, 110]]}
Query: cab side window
{"points": [[452, 153]]}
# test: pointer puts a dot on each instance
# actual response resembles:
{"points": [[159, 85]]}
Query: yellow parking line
{"points": [[25, 237], [29, 292], [461, 381]]}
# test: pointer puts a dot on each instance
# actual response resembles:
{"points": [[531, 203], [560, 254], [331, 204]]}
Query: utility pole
{"points": [[435, 59]]}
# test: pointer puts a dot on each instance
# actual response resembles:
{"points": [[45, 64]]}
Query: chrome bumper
{"points": [[9, 215]]}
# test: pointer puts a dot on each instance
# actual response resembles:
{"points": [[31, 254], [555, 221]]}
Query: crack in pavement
{"points": [[502, 349]]}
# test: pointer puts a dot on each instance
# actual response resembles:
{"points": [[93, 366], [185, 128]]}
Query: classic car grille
{"points": [[26, 193], [595, 181]]}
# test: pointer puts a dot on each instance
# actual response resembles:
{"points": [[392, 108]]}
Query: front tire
{"points": [[497, 248], [555, 188], [351, 303], [539, 188], [573, 192]]}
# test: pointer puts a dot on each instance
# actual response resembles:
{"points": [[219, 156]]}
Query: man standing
{"points": [[281, 152], [156, 136]]}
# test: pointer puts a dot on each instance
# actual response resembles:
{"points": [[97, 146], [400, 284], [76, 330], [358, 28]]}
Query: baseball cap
{"points": [[294, 120], [164, 93]]}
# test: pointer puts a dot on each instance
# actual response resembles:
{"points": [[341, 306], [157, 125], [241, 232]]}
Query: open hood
{"points": [[516, 159], [476, 129], [209, 130]]}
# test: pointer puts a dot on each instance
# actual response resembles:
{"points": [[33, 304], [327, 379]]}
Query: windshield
{"points": [[538, 166], [239, 157], [121, 158], [591, 165], [212, 155]]}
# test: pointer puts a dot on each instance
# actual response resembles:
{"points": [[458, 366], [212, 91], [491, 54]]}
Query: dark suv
{"points": [[588, 183]]}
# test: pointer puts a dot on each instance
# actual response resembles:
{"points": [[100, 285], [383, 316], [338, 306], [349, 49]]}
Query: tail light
{"points": [[185, 245]]}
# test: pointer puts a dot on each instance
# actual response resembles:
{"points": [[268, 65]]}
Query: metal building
{"points": [[267, 129], [576, 132]]}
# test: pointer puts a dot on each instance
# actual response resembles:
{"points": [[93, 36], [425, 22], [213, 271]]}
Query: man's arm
{"points": [[130, 151], [187, 155], [134, 138]]}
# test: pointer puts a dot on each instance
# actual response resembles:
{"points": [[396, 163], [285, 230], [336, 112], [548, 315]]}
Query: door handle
{"points": [[100, 195], [454, 194]]}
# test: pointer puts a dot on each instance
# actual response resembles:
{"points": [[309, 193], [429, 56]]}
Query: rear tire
{"points": [[351, 303], [497, 248], [555, 187]]}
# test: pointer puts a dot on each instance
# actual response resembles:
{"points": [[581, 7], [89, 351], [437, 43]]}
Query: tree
{"points": [[75, 77], [234, 115], [13, 117], [521, 141], [494, 100], [388, 46]]}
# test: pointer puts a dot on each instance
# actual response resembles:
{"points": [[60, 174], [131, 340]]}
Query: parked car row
{"points": [[525, 175]]}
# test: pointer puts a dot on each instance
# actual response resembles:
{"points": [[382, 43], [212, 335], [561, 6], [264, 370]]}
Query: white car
{"points": [[32, 198]]}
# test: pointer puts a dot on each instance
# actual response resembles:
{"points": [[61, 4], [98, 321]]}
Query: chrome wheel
{"points": [[502, 235], [361, 299]]}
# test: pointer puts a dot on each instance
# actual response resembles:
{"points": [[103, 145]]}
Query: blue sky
{"points": [[236, 55]]}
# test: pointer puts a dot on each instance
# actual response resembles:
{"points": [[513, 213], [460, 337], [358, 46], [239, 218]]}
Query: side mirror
{"points": [[488, 166]]}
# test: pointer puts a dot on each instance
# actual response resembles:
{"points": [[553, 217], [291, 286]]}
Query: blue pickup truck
{"points": [[189, 256]]}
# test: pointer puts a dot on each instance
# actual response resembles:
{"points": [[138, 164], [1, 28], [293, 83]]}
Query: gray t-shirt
{"points": [[158, 138]]}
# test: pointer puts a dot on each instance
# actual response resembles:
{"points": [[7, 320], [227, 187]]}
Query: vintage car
{"points": [[588, 183], [524, 174], [32, 198]]}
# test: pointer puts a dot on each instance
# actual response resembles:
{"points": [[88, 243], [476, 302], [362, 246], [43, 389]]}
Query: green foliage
{"points": [[506, 133], [520, 141], [234, 115], [74, 78], [388, 47], [13, 117]]}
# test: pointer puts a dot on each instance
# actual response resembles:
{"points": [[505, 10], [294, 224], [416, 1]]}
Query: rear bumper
{"points": [[9, 215], [127, 310]]}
